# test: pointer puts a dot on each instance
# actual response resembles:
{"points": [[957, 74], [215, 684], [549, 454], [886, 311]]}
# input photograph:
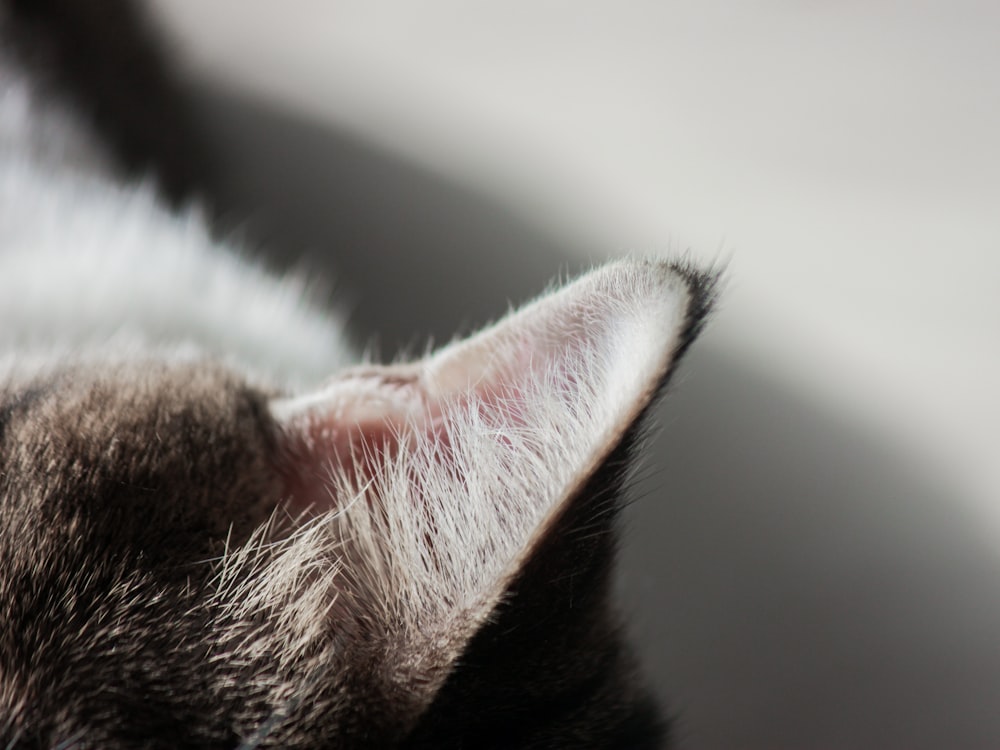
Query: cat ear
{"points": [[439, 479]]}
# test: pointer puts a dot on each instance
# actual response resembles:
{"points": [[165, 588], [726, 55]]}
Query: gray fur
{"points": [[196, 551]]}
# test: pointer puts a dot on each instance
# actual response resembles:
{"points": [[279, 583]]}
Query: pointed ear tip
{"points": [[703, 285], [673, 281], [674, 298]]}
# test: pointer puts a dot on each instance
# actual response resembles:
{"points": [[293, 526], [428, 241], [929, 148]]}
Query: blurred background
{"points": [[814, 557]]}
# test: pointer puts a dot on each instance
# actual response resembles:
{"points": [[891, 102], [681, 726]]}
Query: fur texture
{"points": [[218, 529]]}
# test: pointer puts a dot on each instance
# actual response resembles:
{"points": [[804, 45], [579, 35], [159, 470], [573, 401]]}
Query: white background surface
{"points": [[844, 158]]}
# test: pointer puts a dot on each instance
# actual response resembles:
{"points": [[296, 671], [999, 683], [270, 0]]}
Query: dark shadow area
{"points": [[796, 584], [413, 255]]}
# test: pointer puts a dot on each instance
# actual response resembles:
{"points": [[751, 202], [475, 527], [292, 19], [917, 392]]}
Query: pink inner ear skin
{"points": [[442, 477], [367, 415], [357, 431], [348, 429], [600, 343]]}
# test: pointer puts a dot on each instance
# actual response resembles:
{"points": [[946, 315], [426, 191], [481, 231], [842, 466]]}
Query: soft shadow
{"points": [[413, 255], [799, 584], [795, 583]]}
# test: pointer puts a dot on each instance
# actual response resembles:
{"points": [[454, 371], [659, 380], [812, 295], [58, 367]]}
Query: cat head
{"points": [[412, 555]]}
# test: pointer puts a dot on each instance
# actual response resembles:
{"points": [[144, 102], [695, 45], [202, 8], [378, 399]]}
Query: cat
{"points": [[222, 528]]}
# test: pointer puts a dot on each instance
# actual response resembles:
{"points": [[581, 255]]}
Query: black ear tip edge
{"points": [[703, 286]]}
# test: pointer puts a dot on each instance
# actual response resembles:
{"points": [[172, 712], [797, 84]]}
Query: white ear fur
{"points": [[438, 477]]}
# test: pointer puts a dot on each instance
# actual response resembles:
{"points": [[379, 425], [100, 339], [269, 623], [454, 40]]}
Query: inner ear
{"points": [[435, 483], [343, 432], [578, 364]]}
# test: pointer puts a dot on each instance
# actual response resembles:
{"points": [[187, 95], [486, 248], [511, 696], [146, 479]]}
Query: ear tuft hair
{"points": [[436, 481]]}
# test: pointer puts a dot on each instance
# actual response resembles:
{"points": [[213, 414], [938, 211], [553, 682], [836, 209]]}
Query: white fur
{"points": [[40, 130], [87, 263], [413, 552], [421, 549]]}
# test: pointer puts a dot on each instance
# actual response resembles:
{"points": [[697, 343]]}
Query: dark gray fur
{"points": [[122, 486]]}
